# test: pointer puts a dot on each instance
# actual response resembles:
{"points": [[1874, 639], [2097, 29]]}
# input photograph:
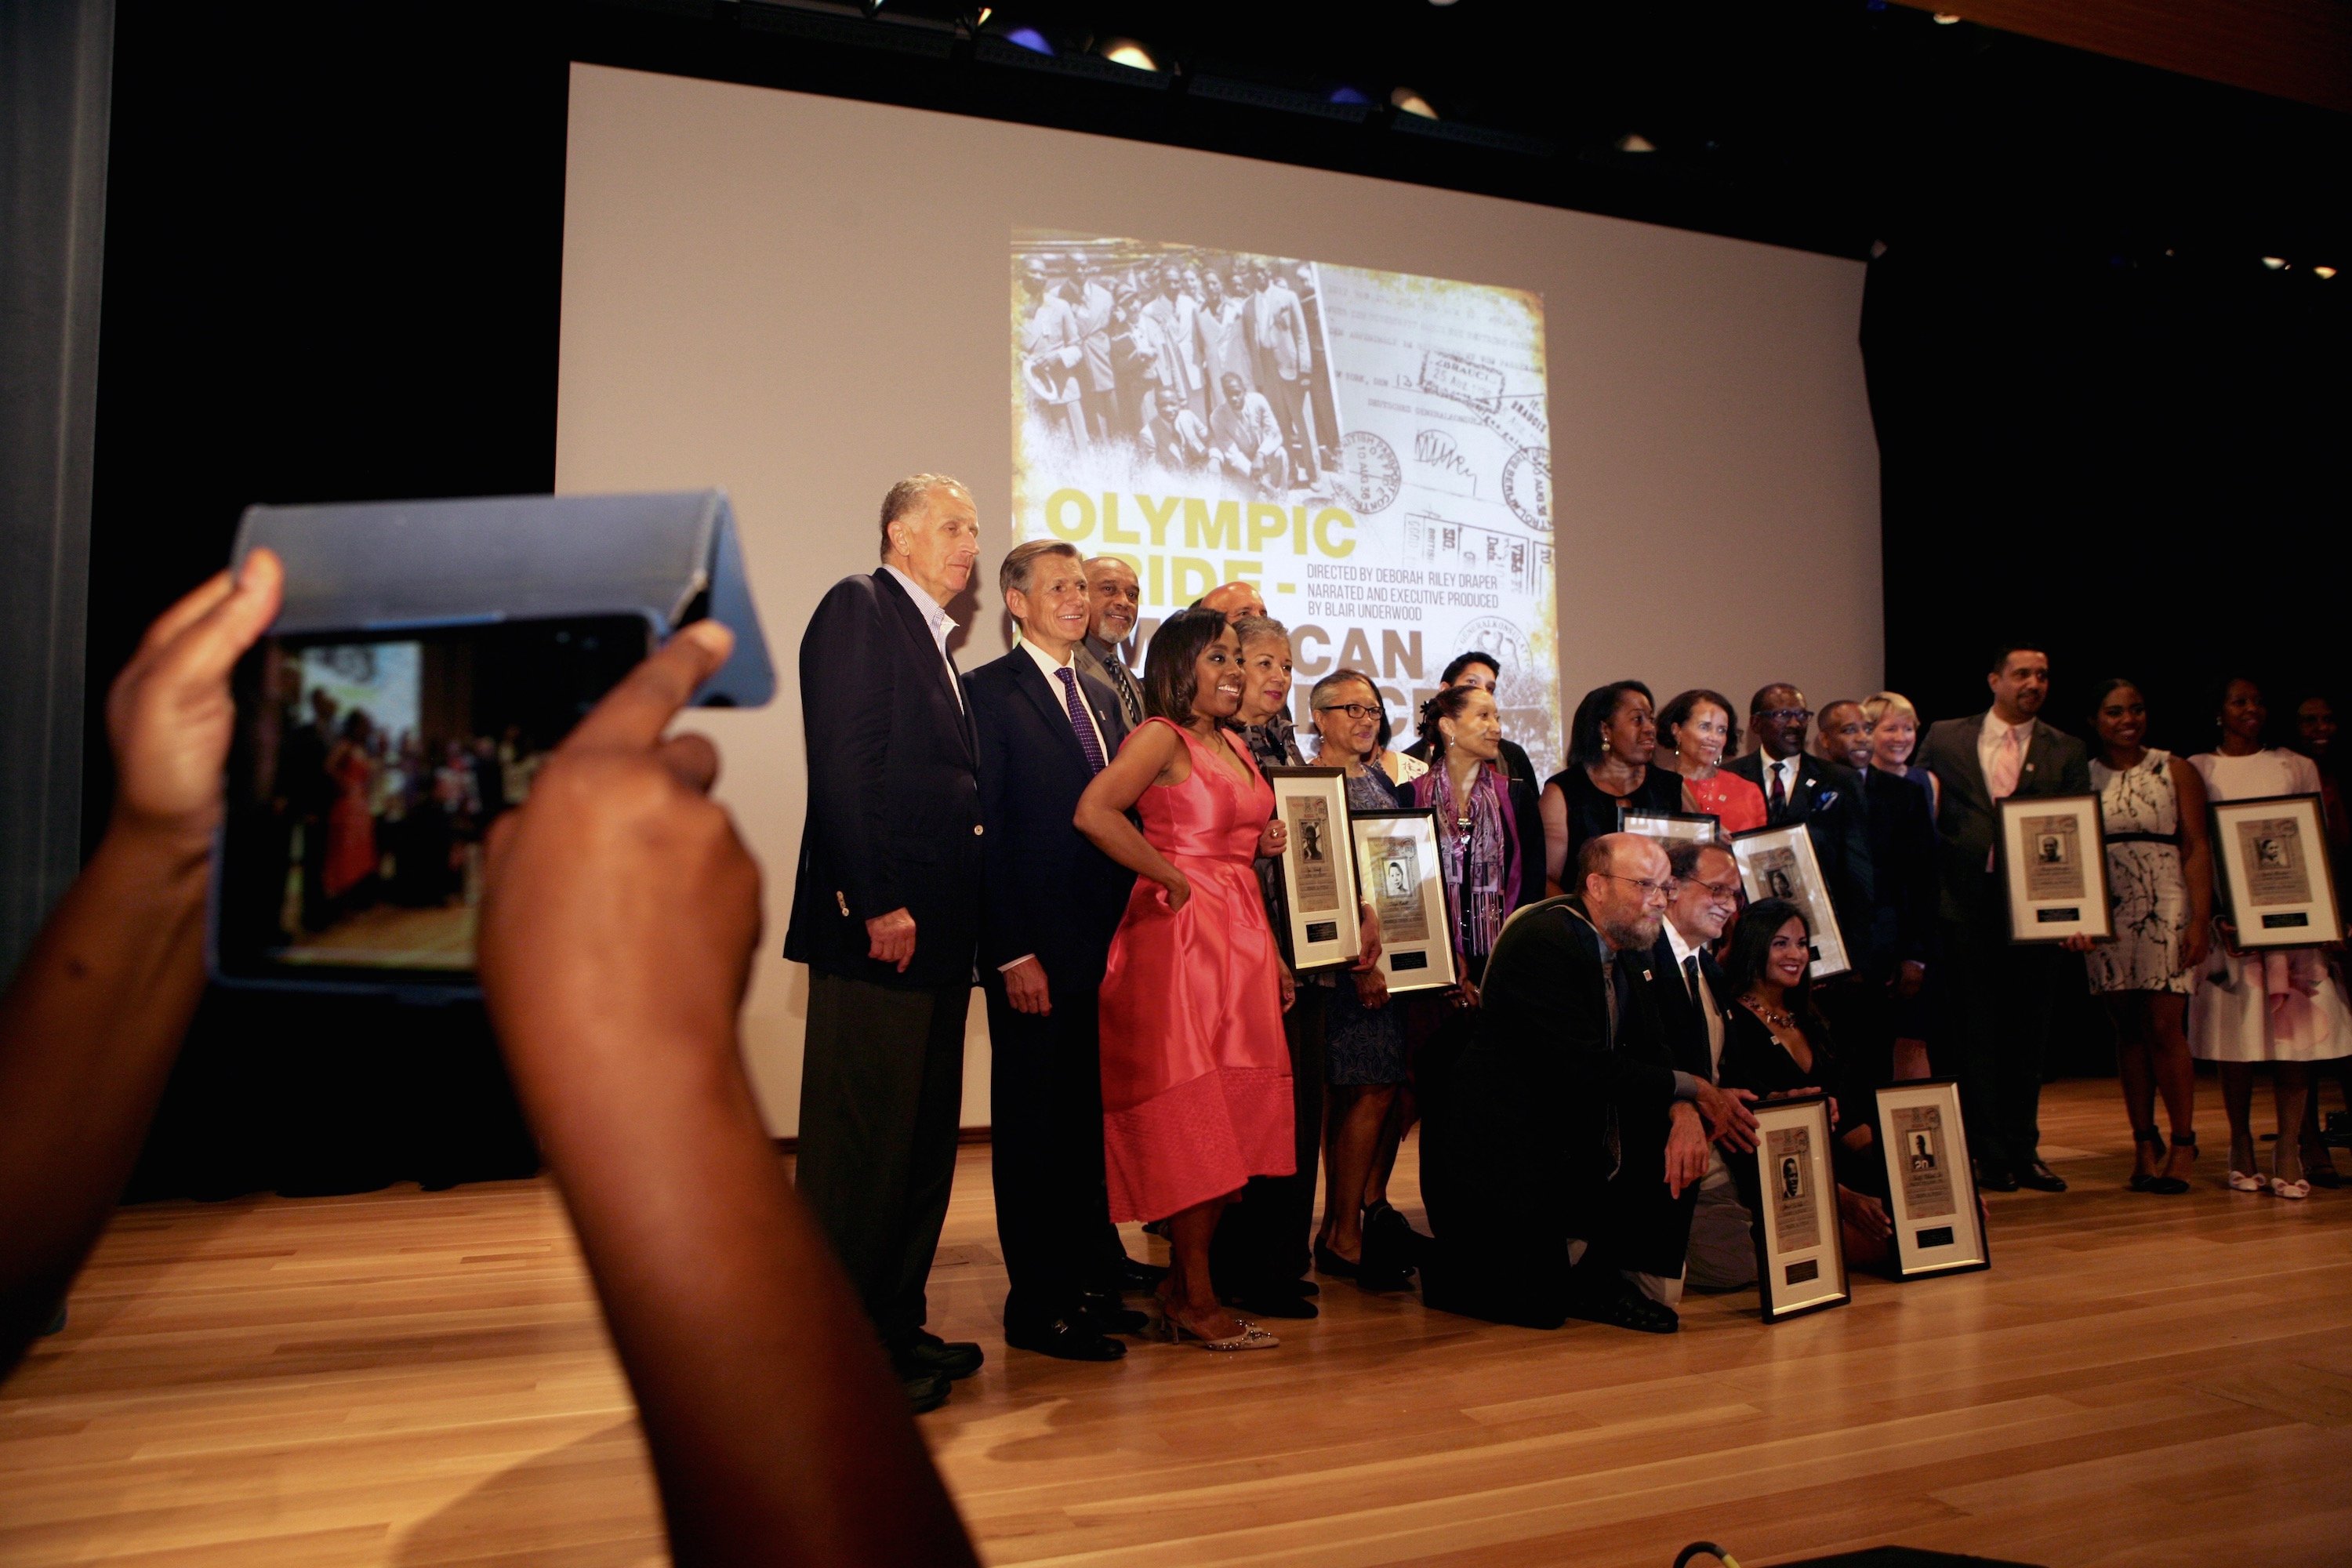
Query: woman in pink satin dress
{"points": [[1195, 1072]]}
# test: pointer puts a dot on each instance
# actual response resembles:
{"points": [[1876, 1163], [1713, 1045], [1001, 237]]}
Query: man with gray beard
{"points": [[1543, 1131]]}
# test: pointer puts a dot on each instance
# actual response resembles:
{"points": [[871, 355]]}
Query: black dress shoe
{"points": [[1620, 1306], [2034, 1173], [1109, 1315], [1992, 1176], [925, 1391], [927, 1352], [1329, 1262], [1066, 1339], [1134, 1276]]}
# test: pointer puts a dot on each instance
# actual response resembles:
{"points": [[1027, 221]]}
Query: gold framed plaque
{"points": [[1931, 1187], [2275, 873], [2053, 863], [1666, 826], [1800, 1249], [1404, 881], [1322, 918], [1780, 863]]}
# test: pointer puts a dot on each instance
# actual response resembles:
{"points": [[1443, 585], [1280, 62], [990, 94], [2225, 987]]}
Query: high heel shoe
{"points": [[1329, 1262], [2250, 1179], [2297, 1190], [2144, 1181], [1251, 1337]]}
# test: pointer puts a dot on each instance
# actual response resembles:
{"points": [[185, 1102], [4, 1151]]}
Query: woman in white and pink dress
{"points": [[2278, 1007]]}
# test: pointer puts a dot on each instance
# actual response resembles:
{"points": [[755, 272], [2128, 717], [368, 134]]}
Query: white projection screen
{"points": [[1602, 450]]}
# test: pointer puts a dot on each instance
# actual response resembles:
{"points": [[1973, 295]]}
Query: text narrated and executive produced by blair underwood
{"points": [[1372, 449]]}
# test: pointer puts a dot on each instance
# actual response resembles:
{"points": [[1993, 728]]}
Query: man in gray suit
{"points": [[2003, 993], [1114, 598]]}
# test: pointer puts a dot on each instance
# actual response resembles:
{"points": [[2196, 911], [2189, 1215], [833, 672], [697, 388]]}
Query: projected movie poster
{"points": [[1371, 449]]}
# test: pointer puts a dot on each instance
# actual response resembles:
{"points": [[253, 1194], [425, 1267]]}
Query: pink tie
{"points": [[2006, 763]]}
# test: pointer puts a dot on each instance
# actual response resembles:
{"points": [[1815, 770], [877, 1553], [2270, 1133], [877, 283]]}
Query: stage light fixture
{"points": [[1945, 18], [985, 13], [2323, 272], [2275, 263], [1127, 52], [1029, 38], [1404, 101], [1347, 95], [1634, 141]]}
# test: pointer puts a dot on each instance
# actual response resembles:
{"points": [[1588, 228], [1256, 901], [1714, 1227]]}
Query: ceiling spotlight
{"points": [[1029, 38], [1634, 141], [1407, 101], [985, 13], [1127, 52], [1946, 19], [2275, 263], [2323, 272]]}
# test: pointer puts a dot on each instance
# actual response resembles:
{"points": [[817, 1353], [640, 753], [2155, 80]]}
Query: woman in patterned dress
{"points": [[2160, 878]]}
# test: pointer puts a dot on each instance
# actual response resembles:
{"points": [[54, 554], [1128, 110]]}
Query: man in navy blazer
{"points": [[1824, 795], [886, 913], [2004, 995], [1051, 905]]}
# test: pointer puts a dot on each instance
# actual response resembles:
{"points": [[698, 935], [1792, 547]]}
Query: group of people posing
{"points": [[1101, 848]]}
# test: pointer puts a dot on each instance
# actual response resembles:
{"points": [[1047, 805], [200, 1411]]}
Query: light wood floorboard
{"points": [[422, 1379]]}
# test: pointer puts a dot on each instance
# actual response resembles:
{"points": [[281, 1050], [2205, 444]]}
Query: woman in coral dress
{"points": [[1195, 1071], [351, 821]]}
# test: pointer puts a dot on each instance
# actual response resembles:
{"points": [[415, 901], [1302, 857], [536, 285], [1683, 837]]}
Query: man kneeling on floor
{"points": [[1557, 1142]]}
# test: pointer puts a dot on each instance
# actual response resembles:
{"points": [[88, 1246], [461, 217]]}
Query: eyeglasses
{"points": [[1787, 715], [1659, 890], [1353, 709], [1726, 891]]}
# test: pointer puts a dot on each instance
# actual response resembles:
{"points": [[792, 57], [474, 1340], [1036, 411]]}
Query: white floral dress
{"points": [[2141, 812]]}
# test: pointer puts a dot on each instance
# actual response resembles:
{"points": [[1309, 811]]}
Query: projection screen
{"points": [[1597, 448]]}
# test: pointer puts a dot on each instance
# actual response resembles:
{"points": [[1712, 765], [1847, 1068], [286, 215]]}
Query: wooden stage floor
{"points": [[411, 1378]]}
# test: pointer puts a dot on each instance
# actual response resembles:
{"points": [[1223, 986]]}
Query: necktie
{"points": [[2007, 762], [1130, 696], [1078, 720], [1777, 804], [1611, 1137], [1690, 977]]}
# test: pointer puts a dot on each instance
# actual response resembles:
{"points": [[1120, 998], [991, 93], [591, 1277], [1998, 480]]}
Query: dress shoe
{"points": [[1618, 1304], [925, 1391], [1074, 1338], [927, 1352], [1992, 1176], [2034, 1173], [1109, 1315], [1134, 1276]]}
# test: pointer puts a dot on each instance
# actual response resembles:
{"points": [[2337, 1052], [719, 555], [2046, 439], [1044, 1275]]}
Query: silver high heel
{"points": [[1251, 1337]]}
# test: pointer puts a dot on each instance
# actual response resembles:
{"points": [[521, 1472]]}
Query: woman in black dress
{"points": [[1777, 1045], [1610, 742]]}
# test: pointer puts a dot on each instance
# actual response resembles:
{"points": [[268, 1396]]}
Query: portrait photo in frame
{"points": [[1931, 1187], [1800, 1250], [1398, 867], [2276, 883], [1780, 863], [1668, 826], [1322, 915], [2053, 865]]}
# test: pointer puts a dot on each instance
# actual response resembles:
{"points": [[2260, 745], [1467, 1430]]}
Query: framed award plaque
{"points": [[1931, 1188], [1778, 863], [2272, 854], [1669, 825], [2053, 863], [1404, 880], [1322, 917], [1799, 1251]]}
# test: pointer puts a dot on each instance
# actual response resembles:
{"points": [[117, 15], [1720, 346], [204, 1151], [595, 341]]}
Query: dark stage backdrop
{"points": [[332, 270]]}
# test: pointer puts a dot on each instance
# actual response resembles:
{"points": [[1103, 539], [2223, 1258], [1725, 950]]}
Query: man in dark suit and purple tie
{"points": [[1052, 903], [886, 913]]}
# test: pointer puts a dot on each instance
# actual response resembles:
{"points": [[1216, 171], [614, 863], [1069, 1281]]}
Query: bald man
{"points": [[1234, 600], [1545, 1132]]}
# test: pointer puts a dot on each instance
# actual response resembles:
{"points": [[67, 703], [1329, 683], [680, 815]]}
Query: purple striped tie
{"points": [[1078, 720]]}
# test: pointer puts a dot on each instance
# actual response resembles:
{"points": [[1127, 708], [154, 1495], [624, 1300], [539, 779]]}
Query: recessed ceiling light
{"points": [[1127, 52], [1946, 19], [1407, 101], [1634, 141], [2323, 272], [2275, 263]]}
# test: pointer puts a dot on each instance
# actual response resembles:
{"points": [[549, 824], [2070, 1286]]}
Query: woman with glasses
{"points": [[1777, 1045], [1610, 742], [1364, 1054], [1696, 732]]}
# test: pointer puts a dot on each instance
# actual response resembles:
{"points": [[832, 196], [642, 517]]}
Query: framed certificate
{"points": [[2273, 855], [1670, 825], [1404, 881], [1322, 917], [1931, 1187], [1778, 863], [2053, 861], [1799, 1251]]}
